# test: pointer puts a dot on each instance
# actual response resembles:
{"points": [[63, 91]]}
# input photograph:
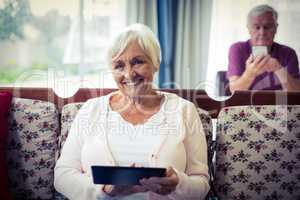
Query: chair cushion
{"points": [[207, 127], [5, 102], [68, 114], [258, 154], [34, 127]]}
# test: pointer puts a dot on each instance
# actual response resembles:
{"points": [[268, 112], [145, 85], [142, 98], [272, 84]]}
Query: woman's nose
{"points": [[129, 72]]}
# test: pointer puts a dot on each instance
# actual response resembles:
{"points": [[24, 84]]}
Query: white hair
{"points": [[145, 38], [261, 9]]}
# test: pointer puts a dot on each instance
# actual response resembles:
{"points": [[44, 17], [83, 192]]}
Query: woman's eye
{"points": [[119, 66], [137, 61]]}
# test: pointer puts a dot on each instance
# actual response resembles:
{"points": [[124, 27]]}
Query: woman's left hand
{"points": [[162, 185]]}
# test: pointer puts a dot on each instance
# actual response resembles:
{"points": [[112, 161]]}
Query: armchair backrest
{"points": [[258, 152], [31, 146], [222, 83]]}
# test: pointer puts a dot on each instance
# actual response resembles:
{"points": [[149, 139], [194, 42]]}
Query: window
{"points": [[229, 26], [59, 44]]}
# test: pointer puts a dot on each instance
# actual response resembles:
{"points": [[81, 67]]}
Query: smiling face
{"points": [[133, 71], [262, 29]]}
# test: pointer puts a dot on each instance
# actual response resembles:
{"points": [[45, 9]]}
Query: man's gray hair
{"points": [[145, 38], [261, 9]]}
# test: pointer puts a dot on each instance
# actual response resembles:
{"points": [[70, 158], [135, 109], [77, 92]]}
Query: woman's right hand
{"points": [[123, 190], [256, 66]]}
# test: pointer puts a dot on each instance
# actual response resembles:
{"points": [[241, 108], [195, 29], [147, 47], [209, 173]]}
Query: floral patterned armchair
{"points": [[258, 153], [32, 143], [35, 140]]}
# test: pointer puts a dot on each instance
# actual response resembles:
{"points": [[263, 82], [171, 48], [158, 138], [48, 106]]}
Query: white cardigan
{"points": [[182, 146]]}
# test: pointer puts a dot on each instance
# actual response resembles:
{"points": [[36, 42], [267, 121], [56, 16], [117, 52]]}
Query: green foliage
{"points": [[39, 66], [10, 74], [13, 16], [16, 13]]}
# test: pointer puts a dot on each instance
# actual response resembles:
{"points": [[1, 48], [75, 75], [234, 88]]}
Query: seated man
{"points": [[276, 70]]}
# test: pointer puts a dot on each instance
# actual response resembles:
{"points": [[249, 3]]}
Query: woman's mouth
{"points": [[133, 83]]}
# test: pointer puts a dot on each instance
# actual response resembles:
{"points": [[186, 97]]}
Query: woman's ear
{"points": [[155, 68]]}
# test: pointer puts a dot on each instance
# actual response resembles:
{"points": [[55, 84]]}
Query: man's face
{"points": [[262, 29]]}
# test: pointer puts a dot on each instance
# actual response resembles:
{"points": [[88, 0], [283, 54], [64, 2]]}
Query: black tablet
{"points": [[113, 175]]}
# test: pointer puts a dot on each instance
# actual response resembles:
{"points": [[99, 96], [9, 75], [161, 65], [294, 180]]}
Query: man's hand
{"points": [[256, 66], [273, 65], [162, 185]]}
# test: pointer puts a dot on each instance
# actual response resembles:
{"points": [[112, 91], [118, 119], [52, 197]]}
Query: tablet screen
{"points": [[113, 175]]}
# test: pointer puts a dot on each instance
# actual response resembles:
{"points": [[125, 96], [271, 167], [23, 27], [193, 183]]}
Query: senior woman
{"points": [[279, 70], [135, 126]]}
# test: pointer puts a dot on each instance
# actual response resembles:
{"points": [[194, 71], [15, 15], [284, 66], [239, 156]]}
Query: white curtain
{"points": [[192, 40], [142, 11], [229, 19], [192, 43]]}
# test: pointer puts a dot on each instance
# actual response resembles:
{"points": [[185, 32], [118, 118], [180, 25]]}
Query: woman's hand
{"points": [[162, 185], [123, 190]]}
